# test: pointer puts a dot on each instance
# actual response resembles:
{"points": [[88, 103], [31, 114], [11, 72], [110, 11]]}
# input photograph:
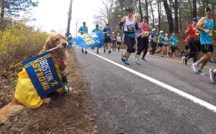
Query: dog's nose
{"points": [[64, 44]]}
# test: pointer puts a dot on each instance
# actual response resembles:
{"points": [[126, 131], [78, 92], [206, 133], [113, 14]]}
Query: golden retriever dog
{"points": [[30, 98]]}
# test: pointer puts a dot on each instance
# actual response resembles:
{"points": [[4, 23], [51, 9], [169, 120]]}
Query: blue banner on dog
{"points": [[42, 72], [90, 40]]}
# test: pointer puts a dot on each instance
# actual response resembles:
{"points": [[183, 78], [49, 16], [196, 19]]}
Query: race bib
{"points": [[173, 43], [154, 39], [146, 33], [108, 34], [210, 33], [197, 32], [84, 32]]}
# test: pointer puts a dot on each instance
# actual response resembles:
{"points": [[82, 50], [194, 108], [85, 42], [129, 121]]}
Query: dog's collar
{"points": [[59, 59]]}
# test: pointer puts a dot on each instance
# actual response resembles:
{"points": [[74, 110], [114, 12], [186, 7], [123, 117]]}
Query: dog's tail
{"points": [[9, 110]]}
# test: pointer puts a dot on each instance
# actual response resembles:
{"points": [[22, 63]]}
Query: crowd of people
{"points": [[140, 40]]}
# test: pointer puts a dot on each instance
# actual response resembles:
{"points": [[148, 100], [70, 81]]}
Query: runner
{"points": [[172, 41], [129, 35], [194, 42], [166, 47], [139, 35], [205, 25], [98, 31], [186, 46], [83, 30], [107, 42], [118, 41], [113, 37], [145, 38], [160, 44], [153, 40]]}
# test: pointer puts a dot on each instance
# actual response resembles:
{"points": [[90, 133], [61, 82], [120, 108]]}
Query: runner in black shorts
{"points": [[160, 44], [107, 41]]}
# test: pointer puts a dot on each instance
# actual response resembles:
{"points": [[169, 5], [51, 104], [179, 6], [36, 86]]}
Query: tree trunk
{"points": [[152, 15], [180, 19], [176, 16], [159, 15], [140, 10], [2, 14], [169, 15], [194, 9], [146, 4]]}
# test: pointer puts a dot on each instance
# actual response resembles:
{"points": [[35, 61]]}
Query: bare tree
{"points": [[169, 15], [105, 12]]}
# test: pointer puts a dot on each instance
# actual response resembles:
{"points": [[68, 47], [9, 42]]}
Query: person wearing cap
{"points": [[118, 41], [166, 47], [153, 40], [205, 25], [107, 41], [146, 37], [160, 43], [194, 42], [113, 37], [83, 30], [97, 30], [129, 35], [173, 45]]}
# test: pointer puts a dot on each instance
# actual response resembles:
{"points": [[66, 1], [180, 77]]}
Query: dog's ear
{"points": [[49, 44]]}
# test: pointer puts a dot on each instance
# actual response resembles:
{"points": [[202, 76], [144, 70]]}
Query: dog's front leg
{"points": [[46, 100]]}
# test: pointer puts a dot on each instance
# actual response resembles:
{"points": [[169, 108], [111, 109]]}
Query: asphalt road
{"points": [[124, 101]]}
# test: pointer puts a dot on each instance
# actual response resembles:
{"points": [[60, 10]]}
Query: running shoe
{"points": [[148, 53], [109, 51], [162, 56], [137, 62], [212, 75], [104, 50], [174, 55], [201, 72], [85, 52], [127, 63], [82, 50], [123, 58], [143, 59], [195, 67], [97, 52]]}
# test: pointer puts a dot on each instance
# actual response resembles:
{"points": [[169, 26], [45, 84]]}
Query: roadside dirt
{"points": [[65, 114]]}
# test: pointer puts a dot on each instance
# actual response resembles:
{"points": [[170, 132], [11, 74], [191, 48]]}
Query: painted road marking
{"points": [[164, 85], [178, 61]]}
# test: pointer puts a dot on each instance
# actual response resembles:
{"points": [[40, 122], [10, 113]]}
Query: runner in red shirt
{"points": [[194, 42], [146, 37], [186, 45]]}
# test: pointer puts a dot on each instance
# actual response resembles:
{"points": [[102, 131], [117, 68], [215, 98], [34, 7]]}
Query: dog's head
{"points": [[56, 40]]}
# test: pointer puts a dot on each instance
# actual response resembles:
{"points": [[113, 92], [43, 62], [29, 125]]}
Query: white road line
{"points": [[168, 87]]}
